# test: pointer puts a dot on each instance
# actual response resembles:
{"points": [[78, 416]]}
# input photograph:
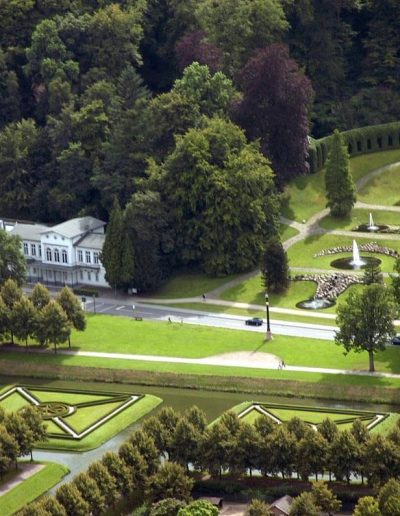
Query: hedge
{"points": [[362, 140]]}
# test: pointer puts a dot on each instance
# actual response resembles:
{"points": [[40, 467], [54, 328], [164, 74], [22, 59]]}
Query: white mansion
{"points": [[67, 254]]}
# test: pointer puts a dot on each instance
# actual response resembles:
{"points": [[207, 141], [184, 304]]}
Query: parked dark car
{"points": [[255, 321], [396, 340]]}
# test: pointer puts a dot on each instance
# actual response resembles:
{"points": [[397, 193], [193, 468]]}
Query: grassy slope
{"points": [[306, 195], [189, 285], [383, 189], [223, 371], [31, 488]]}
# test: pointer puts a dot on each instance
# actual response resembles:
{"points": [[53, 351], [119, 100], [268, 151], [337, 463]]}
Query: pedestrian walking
{"points": [[169, 320], [204, 297]]}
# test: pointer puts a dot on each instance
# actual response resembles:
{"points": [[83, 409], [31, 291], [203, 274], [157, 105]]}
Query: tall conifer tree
{"points": [[340, 189], [111, 255]]}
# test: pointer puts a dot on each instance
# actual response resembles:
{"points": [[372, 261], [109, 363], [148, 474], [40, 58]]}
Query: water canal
{"points": [[213, 403]]}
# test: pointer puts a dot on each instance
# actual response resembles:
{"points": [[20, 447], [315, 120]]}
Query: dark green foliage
{"points": [[167, 507], [71, 499], [170, 481], [304, 505], [12, 261], [340, 189], [372, 274], [111, 256], [258, 508], [274, 266], [365, 321], [221, 197]]}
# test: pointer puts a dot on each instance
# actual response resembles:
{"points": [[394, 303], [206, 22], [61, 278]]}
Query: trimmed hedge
{"points": [[87, 292], [363, 140]]}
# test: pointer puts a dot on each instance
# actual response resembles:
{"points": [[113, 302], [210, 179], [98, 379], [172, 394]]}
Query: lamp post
{"points": [[268, 335]]}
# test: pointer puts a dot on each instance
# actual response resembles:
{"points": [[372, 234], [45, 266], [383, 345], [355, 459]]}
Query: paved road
{"points": [[178, 315]]}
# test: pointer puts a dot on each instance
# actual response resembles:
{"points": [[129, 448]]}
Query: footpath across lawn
{"points": [[31, 488]]}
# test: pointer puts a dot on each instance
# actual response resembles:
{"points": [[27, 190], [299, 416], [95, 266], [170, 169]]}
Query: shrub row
{"points": [[362, 140]]}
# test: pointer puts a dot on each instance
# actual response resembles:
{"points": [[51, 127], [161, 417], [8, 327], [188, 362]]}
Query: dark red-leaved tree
{"points": [[194, 47], [277, 97]]}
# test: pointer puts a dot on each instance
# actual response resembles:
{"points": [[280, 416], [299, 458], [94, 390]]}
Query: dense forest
{"points": [[167, 105]]}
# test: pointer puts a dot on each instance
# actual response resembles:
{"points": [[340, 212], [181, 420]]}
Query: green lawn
{"points": [[305, 195], [31, 488], [302, 253], [287, 232], [189, 285], [83, 417], [382, 189], [123, 335], [361, 217], [252, 291]]}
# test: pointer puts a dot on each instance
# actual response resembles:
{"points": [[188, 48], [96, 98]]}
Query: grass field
{"points": [[31, 488], [306, 194], [123, 335], [358, 217], [252, 291], [86, 410], [287, 232], [382, 189]]}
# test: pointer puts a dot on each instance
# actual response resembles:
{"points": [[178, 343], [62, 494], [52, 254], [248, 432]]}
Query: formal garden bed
{"points": [[313, 416], [76, 419]]}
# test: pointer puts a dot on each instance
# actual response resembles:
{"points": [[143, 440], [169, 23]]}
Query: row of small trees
{"points": [[38, 317], [136, 471], [152, 465], [19, 432], [234, 446]]}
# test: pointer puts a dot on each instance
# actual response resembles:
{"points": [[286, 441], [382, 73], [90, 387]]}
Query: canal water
{"points": [[213, 403]]}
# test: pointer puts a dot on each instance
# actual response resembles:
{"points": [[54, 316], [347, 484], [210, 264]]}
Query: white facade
{"points": [[67, 254]]}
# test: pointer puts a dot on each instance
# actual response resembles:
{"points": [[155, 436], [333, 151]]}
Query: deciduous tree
{"points": [[12, 261], [69, 496], [365, 321], [73, 310], [54, 324], [170, 481], [275, 109]]}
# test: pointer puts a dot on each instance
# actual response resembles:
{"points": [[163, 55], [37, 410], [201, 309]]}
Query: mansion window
{"points": [[80, 256], [40, 250], [88, 257], [64, 256], [56, 255], [89, 276], [33, 249], [48, 254], [81, 275], [96, 257], [26, 248], [97, 276]]}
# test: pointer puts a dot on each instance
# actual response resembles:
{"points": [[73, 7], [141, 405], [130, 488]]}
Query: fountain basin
{"points": [[315, 304], [348, 263], [366, 228]]}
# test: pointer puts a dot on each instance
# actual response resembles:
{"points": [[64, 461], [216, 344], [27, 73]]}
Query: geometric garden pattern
{"points": [[68, 414], [313, 416]]}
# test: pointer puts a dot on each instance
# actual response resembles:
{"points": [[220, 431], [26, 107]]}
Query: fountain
{"points": [[371, 226], [356, 262], [317, 303]]}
